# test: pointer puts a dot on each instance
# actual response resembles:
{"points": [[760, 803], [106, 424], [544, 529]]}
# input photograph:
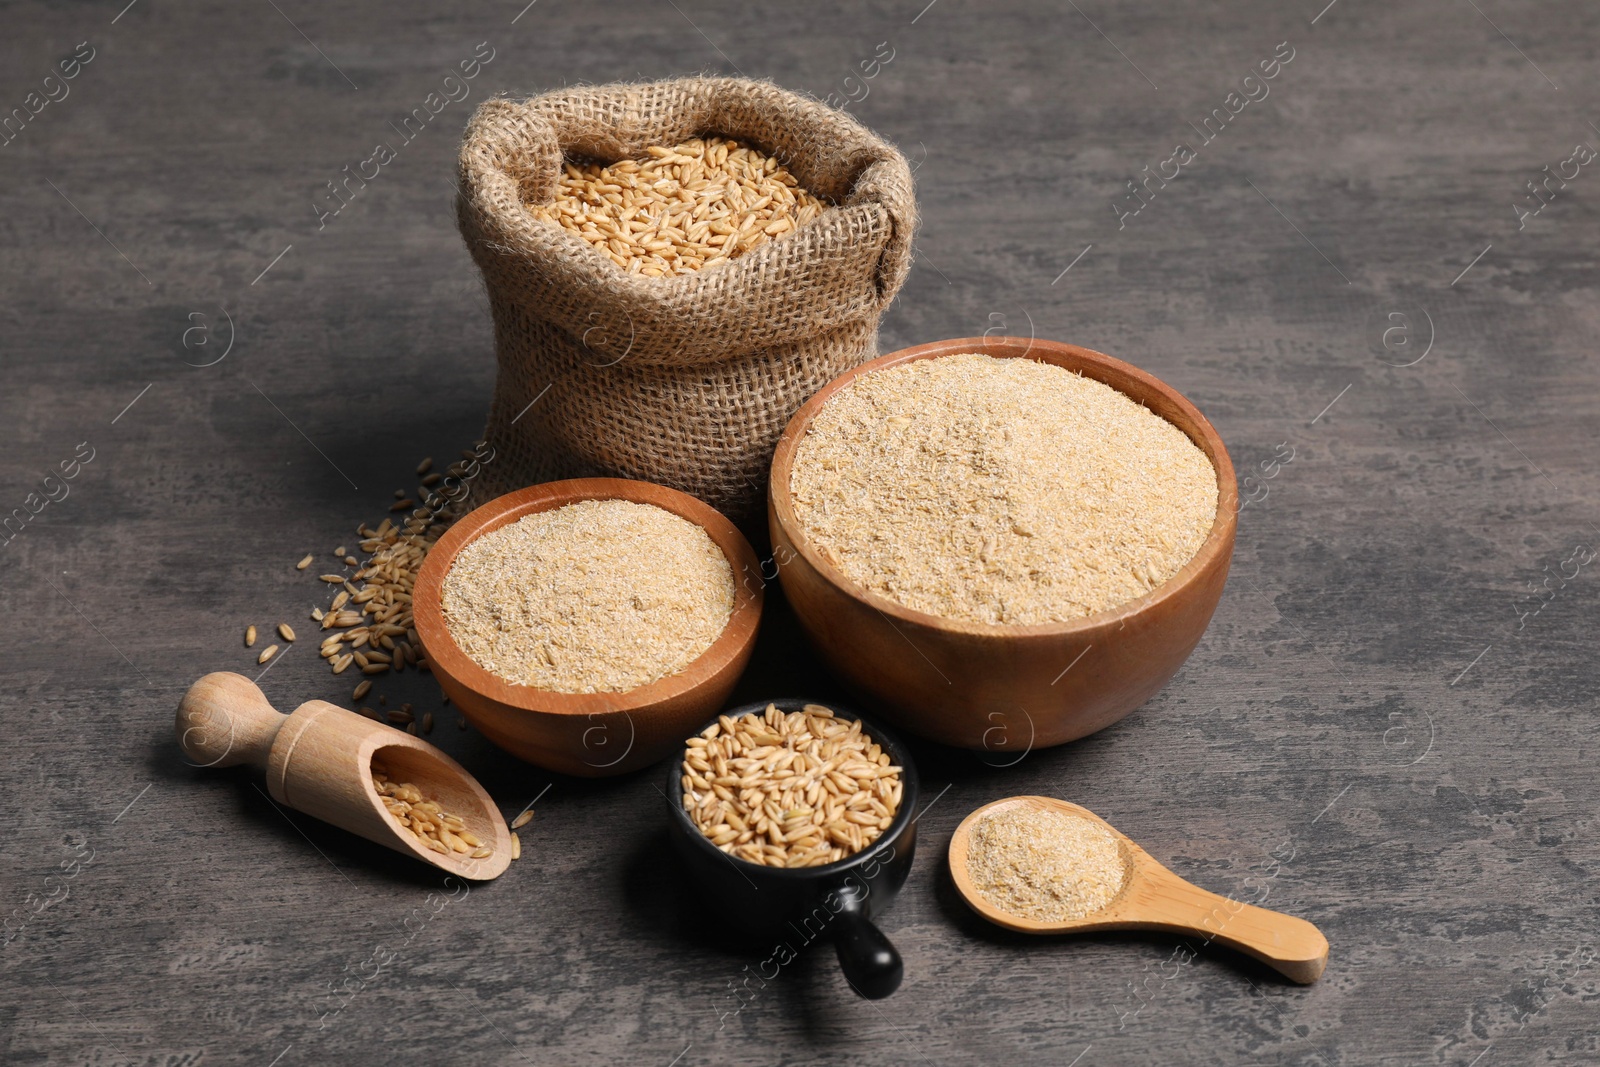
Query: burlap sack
{"points": [[688, 380]]}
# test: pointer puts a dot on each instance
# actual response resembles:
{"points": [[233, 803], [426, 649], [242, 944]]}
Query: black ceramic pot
{"points": [[785, 910]]}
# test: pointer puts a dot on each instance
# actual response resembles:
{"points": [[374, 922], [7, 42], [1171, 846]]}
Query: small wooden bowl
{"points": [[1006, 689], [590, 735]]}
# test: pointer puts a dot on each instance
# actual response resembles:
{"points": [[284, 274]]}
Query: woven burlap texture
{"points": [[688, 380]]}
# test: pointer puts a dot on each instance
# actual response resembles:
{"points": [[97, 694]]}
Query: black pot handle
{"points": [[870, 963]]}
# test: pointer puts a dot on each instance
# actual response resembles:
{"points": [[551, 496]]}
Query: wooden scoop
{"points": [[1153, 898], [318, 760]]}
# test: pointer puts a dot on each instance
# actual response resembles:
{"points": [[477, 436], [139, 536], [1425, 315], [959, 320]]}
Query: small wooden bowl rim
{"points": [[1091, 364], [893, 745], [450, 659]]}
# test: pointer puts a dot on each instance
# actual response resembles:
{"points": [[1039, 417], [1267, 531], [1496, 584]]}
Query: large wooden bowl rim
{"points": [[449, 659], [1091, 364]]}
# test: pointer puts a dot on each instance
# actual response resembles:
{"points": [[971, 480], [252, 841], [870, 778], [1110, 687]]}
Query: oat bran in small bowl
{"points": [[597, 596], [591, 639]]}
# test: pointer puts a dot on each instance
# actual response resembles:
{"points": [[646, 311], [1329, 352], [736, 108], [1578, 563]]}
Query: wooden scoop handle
{"points": [[1291, 946], [225, 719]]}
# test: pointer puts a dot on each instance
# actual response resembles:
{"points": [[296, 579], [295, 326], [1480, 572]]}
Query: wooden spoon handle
{"points": [[1291, 946], [224, 719]]}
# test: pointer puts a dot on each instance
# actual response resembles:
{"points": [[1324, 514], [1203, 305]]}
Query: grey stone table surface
{"points": [[1388, 728]]}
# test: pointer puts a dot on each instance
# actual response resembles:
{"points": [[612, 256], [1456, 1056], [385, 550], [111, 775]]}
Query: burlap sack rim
{"points": [[492, 211]]}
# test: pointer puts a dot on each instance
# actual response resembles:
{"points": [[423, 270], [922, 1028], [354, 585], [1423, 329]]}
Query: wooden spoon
{"points": [[318, 760], [1153, 898]]}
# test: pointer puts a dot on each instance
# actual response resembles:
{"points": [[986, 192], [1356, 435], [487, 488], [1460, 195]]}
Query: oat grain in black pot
{"points": [[785, 821]]}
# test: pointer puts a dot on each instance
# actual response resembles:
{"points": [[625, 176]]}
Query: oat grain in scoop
{"points": [[601, 596], [436, 828], [1000, 491]]}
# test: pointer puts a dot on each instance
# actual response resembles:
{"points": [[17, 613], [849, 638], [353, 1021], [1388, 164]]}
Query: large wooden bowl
{"points": [[589, 734], [1005, 689]]}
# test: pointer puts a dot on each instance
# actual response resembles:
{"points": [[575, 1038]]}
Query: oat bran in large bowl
{"points": [[1008, 543]]}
